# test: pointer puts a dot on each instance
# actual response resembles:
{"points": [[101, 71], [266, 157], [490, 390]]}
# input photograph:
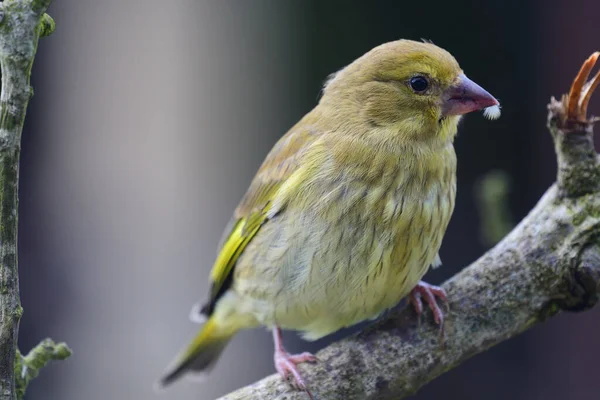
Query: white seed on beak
{"points": [[492, 112]]}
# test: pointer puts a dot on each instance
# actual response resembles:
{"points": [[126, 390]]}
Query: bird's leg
{"points": [[427, 292], [285, 363]]}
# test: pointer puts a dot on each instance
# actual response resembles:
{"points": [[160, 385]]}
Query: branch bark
{"points": [[22, 23], [548, 263]]}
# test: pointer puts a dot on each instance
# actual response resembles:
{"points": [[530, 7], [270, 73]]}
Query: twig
{"points": [[22, 22], [29, 366], [548, 263]]}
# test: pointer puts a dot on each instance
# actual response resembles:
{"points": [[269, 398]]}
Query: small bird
{"points": [[348, 210]]}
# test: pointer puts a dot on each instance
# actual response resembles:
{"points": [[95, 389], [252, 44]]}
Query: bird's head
{"points": [[415, 89]]}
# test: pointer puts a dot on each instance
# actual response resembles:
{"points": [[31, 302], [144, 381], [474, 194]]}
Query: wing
{"points": [[267, 196]]}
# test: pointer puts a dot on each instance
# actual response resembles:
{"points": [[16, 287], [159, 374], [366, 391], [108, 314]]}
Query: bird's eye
{"points": [[419, 84]]}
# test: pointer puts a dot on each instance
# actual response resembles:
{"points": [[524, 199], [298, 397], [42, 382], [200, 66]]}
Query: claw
{"points": [[579, 96], [285, 363], [429, 294]]}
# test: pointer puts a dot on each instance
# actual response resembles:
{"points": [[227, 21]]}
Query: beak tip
{"points": [[494, 101], [466, 97]]}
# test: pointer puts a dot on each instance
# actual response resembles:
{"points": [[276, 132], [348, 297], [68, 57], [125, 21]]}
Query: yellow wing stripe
{"points": [[246, 228], [231, 251]]}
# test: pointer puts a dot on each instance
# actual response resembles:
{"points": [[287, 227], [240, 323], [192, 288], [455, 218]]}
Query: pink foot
{"points": [[285, 363], [429, 293]]}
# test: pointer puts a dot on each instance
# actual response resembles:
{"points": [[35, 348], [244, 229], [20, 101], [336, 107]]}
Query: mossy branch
{"points": [[22, 22], [29, 366], [548, 263]]}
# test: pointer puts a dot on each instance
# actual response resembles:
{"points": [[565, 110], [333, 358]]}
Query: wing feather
{"points": [[266, 197]]}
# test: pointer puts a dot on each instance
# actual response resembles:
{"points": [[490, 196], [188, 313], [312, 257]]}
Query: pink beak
{"points": [[466, 96]]}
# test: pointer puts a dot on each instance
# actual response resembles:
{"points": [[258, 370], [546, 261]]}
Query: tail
{"points": [[201, 355]]}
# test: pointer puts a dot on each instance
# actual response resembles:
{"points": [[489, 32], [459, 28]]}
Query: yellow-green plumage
{"points": [[349, 208]]}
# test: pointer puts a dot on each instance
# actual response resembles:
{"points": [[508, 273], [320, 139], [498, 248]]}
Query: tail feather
{"points": [[200, 356]]}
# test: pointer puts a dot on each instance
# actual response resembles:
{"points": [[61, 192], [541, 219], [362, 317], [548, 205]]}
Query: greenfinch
{"points": [[348, 210]]}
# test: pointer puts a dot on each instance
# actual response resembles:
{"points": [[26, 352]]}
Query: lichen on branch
{"points": [[29, 366]]}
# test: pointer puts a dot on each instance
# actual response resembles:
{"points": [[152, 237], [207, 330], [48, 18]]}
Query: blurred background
{"points": [[149, 120]]}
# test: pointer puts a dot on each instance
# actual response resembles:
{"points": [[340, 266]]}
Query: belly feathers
{"points": [[349, 258]]}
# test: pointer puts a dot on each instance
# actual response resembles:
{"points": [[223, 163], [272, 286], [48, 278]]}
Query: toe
{"points": [[304, 357], [286, 366], [415, 300], [282, 369], [298, 380], [430, 294], [438, 315], [440, 293]]}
